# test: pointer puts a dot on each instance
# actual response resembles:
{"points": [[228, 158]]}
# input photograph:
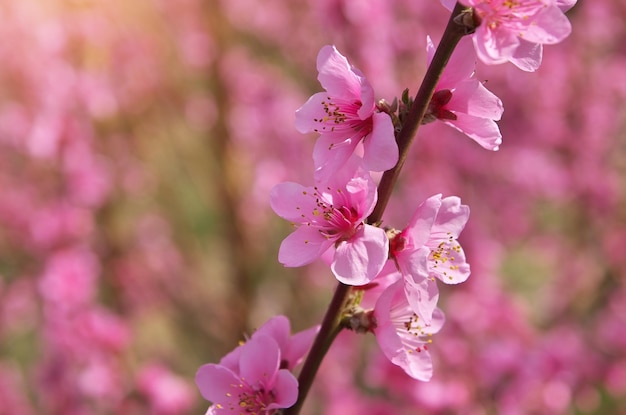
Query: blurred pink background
{"points": [[139, 141]]}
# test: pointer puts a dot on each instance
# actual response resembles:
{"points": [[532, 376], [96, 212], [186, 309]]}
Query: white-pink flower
{"points": [[344, 116], [463, 102], [436, 224], [403, 335], [292, 347], [258, 385], [332, 214], [515, 30]]}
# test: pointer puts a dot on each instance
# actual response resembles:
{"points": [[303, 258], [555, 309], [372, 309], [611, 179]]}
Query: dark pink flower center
{"points": [[334, 222], [342, 116], [248, 400], [437, 107], [409, 327], [512, 14]]}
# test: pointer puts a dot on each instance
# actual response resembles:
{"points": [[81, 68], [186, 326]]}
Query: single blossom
{"points": [[332, 215], [259, 385], [344, 116], [402, 334], [436, 224], [462, 101], [427, 249], [292, 347], [515, 30]]}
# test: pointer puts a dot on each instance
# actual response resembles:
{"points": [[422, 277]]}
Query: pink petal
{"points": [[231, 360], [302, 247], [291, 200], [329, 155], [437, 323], [472, 98], [362, 194], [423, 219], [360, 259], [549, 26], [309, 115], [451, 218], [336, 75], [260, 360], [461, 65], [456, 271], [527, 56], [417, 365], [422, 296], [278, 328], [385, 328], [299, 345], [448, 4], [565, 5], [414, 262], [285, 390], [494, 46], [214, 382], [482, 130], [344, 177], [366, 97], [381, 150]]}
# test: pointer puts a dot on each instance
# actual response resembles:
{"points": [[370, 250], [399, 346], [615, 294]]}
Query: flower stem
{"points": [[454, 31], [331, 325]]}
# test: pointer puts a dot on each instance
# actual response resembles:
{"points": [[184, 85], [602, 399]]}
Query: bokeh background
{"points": [[139, 141]]}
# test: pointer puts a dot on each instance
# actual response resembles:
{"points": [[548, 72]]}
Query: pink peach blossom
{"points": [[332, 214], [436, 224], [462, 101], [427, 248], [402, 335], [259, 385], [515, 30], [292, 347], [345, 115]]}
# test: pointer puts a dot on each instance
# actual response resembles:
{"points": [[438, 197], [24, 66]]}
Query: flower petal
{"points": [[422, 296], [451, 218], [471, 97], [494, 46], [461, 65], [527, 56], [302, 247], [285, 390], [403, 344], [359, 260], [420, 225], [299, 345], [214, 382], [260, 360], [336, 75], [482, 130], [448, 4], [381, 150], [454, 271], [310, 116], [291, 201], [278, 328], [549, 26], [330, 154]]}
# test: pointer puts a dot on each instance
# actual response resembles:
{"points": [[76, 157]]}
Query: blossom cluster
{"points": [[331, 216], [108, 188], [396, 270], [256, 377]]}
